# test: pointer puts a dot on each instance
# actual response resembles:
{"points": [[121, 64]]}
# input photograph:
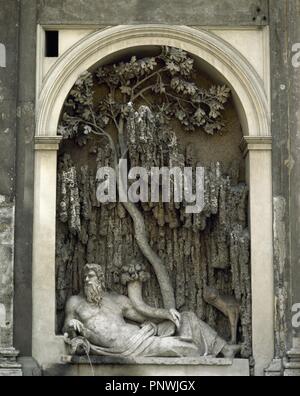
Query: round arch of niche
{"points": [[253, 110]]}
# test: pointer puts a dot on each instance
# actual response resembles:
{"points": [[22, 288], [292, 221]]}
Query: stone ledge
{"points": [[162, 367], [10, 372], [47, 143], [9, 365], [118, 366], [255, 143], [119, 360], [8, 353]]}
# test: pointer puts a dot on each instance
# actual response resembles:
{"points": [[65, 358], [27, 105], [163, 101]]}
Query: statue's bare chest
{"points": [[89, 312]]}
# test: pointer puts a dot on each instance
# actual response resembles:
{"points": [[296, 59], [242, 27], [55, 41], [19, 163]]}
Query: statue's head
{"points": [[94, 283]]}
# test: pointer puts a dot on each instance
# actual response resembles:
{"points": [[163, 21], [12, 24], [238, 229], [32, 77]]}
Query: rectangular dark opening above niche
{"points": [[51, 43]]}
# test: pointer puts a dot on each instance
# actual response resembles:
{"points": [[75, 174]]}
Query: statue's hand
{"points": [[77, 326], [175, 317], [153, 325]]}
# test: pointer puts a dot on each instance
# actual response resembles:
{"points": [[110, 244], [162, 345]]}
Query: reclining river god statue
{"points": [[100, 322]]}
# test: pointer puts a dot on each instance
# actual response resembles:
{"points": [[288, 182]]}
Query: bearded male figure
{"points": [[110, 324]]}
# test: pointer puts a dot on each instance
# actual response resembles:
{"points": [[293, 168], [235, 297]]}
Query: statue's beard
{"points": [[93, 293]]}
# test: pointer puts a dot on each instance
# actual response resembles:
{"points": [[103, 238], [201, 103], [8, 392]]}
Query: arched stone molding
{"points": [[247, 85], [252, 104]]}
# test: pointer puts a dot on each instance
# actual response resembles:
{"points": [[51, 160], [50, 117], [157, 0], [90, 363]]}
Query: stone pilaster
{"points": [[257, 151], [292, 363], [9, 31], [285, 72], [8, 355], [47, 346]]}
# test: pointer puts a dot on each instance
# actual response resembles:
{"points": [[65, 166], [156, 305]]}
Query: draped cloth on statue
{"points": [[194, 329], [194, 338], [134, 347]]}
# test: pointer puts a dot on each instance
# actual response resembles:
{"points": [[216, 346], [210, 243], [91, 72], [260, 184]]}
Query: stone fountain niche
{"points": [[209, 266], [206, 255]]}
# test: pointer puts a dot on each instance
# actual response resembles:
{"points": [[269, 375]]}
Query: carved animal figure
{"points": [[228, 305]]}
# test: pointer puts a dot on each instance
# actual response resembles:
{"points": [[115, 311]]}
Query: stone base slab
{"points": [[9, 367], [10, 372], [116, 366], [292, 373], [30, 368], [292, 361], [275, 369]]}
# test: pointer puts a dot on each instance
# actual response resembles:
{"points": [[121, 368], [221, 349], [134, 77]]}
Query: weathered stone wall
{"points": [[25, 175], [285, 91], [8, 121], [188, 12], [8, 98], [6, 272], [294, 163], [284, 29]]}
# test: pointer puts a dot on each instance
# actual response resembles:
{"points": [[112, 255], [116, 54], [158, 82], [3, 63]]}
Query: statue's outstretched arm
{"points": [[129, 311], [150, 313]]}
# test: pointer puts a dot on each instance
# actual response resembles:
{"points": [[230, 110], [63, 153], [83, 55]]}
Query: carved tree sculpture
{"points": [[138, 99]]}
